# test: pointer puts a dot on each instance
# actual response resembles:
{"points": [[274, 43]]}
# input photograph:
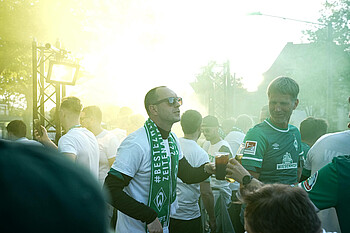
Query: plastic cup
{"points": [[221, 160]]}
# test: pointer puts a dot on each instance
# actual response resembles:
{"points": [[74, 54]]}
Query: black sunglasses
{"points": [[170, 100]]}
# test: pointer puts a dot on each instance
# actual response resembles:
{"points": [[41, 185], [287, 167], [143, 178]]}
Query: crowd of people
{"points": [[153, 181]]}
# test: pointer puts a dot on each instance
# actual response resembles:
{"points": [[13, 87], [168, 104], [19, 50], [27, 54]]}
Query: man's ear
{"points": [[296, 104], [153, 109]]}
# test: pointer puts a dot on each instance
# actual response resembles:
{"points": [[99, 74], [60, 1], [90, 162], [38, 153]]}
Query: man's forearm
{"points": [[189, 174], [208, 199], [124, 203]]}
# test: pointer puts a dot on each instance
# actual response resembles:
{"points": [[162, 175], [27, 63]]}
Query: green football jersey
{"points": [[273, 152], [330, 187]]}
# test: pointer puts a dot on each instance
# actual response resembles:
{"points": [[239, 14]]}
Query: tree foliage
{"points": [[335, 20], [218, 89]]}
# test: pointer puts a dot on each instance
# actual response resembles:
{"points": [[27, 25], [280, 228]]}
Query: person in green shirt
{"points": [[328, 187], [273, 147]]}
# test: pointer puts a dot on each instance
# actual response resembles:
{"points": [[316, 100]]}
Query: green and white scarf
{"points": [[163, 177]]}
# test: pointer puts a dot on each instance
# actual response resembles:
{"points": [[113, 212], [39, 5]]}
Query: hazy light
{"points": [[136, 45]]}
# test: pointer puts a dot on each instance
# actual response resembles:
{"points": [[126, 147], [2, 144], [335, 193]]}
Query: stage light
{"points": [[62, 72]]}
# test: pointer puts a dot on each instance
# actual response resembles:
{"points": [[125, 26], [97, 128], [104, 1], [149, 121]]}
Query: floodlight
{"points": [[62, 72]]}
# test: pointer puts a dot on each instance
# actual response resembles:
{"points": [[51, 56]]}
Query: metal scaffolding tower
{"points": [[44, 92], [221, 97]]}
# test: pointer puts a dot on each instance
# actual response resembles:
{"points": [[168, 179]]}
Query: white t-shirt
{"points": [[108, 144], [83, 144], [134, 159], [27, 141], [188, 194], [326, 148], [234, 138], [321, 153], [223, 185]]}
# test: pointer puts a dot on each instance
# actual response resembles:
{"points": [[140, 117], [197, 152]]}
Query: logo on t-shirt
{"points": [[250, 147], [159, 200], [287, 162], [275, 146], [309, 183], [295, 143]]}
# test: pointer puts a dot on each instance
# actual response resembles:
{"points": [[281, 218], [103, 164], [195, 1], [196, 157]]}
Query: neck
{"points": [[164, 133], [283, 125], [192, 136], [215, 140], [163, 125], [96, 130], [70, 123]]}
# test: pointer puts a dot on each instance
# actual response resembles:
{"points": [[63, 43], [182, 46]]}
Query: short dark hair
{"points": [[17, 127], [94, 112], [151, 97], [312, 129], [283, 85], [191, 121], [289, 205], [72, 104], [210, 121], [58, 194]]}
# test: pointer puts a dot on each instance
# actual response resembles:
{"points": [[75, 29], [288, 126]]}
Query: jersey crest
{"points": [[295, 143], [250, 147], [310, 182], [287, 162]]}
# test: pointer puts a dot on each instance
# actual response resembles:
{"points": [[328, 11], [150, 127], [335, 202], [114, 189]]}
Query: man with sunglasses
{"points": [[142, 180]]}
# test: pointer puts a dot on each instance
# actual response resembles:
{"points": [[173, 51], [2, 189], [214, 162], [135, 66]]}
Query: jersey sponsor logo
{"points": [[275, 146], [250, 147], [160, 198], [310, 182], [287, 162]]}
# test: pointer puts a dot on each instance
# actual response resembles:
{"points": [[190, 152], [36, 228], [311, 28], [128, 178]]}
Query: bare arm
{"points": [[44, 139], [208, 201], [236, 171]]}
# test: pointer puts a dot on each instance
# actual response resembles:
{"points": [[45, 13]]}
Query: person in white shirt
{"points": [[91, 118], [142, 180], [214, 143], [16, 131], [236, 136], [187, 218], [78, 143]]}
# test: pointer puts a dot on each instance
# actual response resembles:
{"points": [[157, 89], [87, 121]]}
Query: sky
{"points": [[144, 44]]}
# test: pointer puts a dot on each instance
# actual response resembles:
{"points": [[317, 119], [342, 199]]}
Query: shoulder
{"points": [[257, 131], [293, 129], [137, 138], [344, 159]]}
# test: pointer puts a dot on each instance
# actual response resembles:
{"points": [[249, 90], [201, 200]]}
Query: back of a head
{"points": [[45, 192], [17, 128], [312, 129], [264, 113], [210, 121], [191, 121], [228, 124], [93, 112], [284, 85], [277, 208], [151, 97], [244, 122], [71, 104]]}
